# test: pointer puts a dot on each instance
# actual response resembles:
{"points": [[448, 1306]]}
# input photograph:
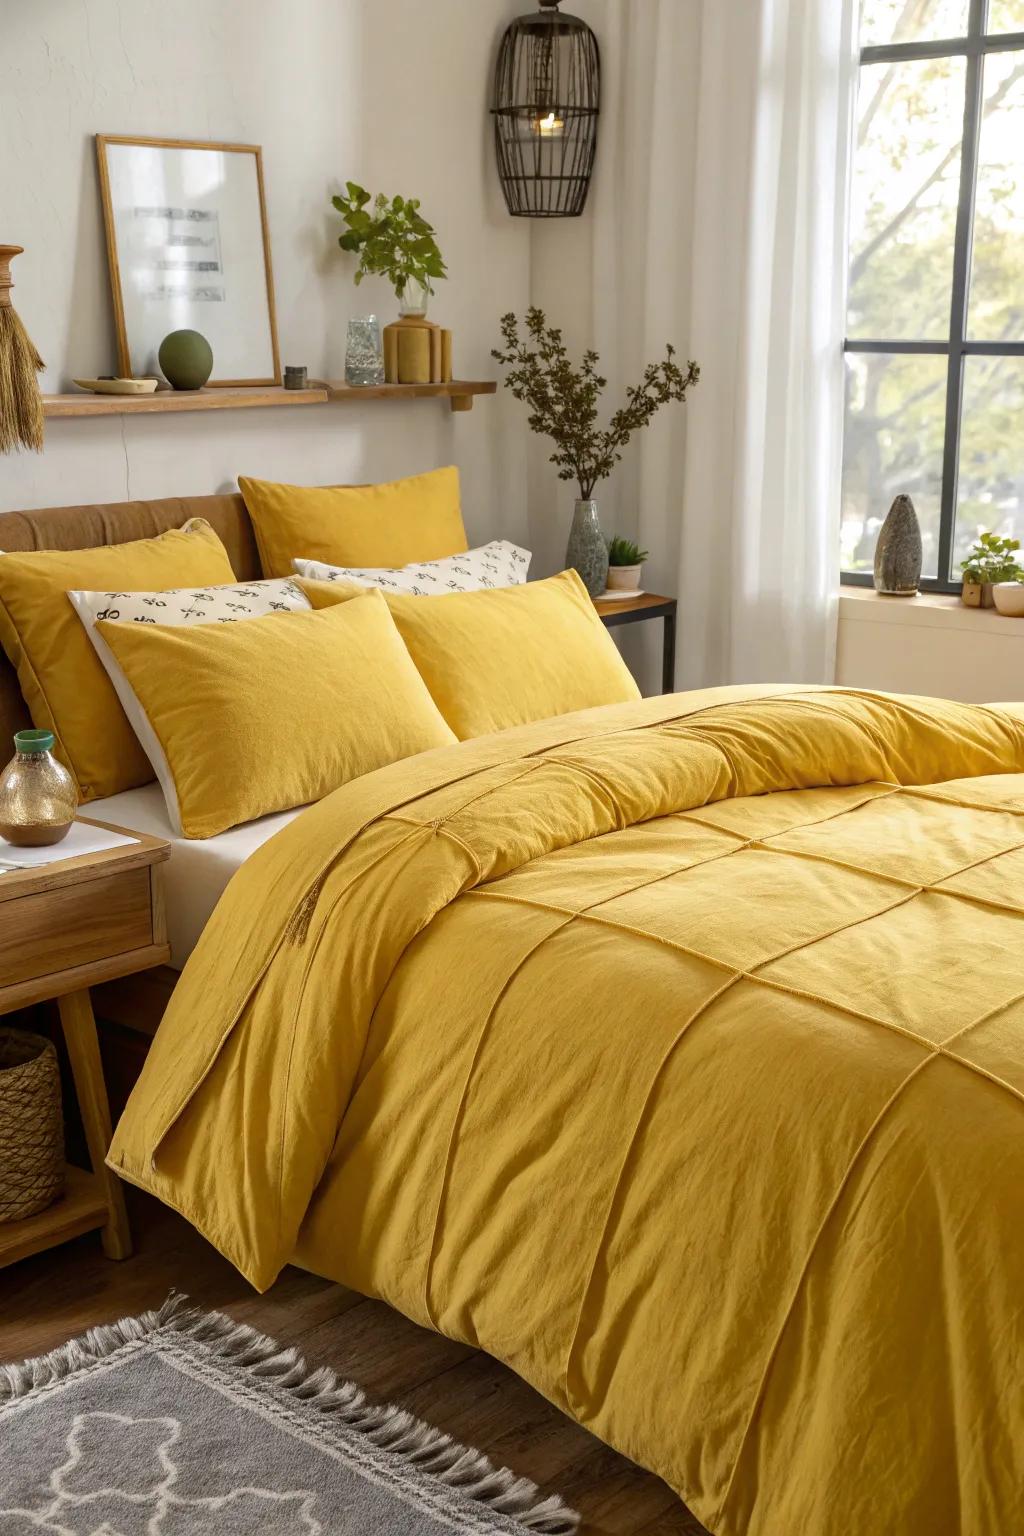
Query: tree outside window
{"points": [[935, 318]]}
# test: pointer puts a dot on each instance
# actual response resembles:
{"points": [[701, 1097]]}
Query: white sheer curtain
{"points": [[719, 221]]}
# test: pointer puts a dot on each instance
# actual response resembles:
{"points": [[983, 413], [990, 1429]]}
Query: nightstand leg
{"points": [[668, 655], [79, 1026]]}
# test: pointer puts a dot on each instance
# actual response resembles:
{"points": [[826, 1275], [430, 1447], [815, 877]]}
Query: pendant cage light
{"points": [[547, 88]]}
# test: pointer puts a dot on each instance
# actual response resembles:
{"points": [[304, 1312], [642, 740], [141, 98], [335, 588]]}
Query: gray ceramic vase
{"points": [[898, 553], [587, 552]]}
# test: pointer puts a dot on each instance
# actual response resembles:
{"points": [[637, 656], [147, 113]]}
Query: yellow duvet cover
{"points": [[674, 1054]]}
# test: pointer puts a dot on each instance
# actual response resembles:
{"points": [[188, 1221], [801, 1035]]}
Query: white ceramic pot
{"points": [[1009, 598], [625, 578]]}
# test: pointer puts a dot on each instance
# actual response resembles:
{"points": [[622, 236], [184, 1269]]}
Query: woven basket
{"points": [[31, 1125]]}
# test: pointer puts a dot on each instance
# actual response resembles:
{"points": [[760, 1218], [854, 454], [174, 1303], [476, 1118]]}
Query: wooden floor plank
{"points": [[47, 1299]]}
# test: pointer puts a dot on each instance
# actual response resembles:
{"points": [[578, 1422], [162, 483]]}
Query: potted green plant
{"points": [[563, 399], [625, 563], [993, 559], [393, 240]]}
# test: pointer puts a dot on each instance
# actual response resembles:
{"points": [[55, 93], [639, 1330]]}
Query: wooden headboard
{"points": [[115, 523]]}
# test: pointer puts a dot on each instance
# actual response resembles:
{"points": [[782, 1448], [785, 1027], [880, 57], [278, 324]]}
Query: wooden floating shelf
{"points": [[459, 392]]}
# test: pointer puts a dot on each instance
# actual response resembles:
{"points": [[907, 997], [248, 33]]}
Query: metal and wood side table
{"points": [[634, 610], [64, 927]]}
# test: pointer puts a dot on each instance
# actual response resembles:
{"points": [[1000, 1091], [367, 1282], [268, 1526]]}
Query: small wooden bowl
{"points": [[118, 386]]}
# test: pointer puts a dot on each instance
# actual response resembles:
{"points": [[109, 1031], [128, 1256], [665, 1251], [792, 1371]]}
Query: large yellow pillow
{"points": [[276, 712], [361, 525], [63, 682], [502, 657]]}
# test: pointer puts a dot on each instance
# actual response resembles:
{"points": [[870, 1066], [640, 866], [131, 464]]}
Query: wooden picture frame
{"points": [[165, 292]]}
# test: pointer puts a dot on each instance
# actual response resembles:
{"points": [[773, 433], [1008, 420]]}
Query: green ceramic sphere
{"points": [[186, 359]]}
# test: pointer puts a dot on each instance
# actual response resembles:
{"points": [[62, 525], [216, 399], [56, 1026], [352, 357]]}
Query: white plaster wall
{"points": [[388, 92]]}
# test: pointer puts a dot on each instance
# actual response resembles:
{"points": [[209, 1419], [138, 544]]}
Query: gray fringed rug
{"points": [[185, 1422]]}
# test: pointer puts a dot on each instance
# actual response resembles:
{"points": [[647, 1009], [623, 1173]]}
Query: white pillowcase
{"points": [[180, 606], [499, 564]]}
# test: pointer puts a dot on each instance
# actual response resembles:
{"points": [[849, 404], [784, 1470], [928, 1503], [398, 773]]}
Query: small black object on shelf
{"points": [[547, 90], [294, 377]]}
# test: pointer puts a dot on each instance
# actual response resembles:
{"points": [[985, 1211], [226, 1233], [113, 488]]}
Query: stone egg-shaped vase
{"points": [[898, 553], [186, 359]]}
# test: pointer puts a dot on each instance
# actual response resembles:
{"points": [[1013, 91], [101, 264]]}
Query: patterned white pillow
{"points": [[180, 606], [499, 564], [190, 605]]}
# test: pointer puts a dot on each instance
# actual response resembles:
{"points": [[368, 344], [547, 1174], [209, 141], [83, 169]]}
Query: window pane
{"points": [[996, 310], [991, 493], [895, 424], [906, 179], [1006, 16], [904, 21]]}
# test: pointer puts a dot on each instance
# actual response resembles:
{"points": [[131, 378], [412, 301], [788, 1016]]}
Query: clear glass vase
{"points": [[38, 798], [413, 300], [364, 353]]}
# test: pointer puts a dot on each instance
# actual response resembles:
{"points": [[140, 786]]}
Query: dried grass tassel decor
{"points": [[21, 404]]}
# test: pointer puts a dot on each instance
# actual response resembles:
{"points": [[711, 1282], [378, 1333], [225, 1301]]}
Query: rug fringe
{"points": [[389, 1428], [23, 1377]]}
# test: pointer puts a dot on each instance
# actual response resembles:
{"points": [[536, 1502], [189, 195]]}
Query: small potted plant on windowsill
{"points": [[993, 559], [625, 563]]}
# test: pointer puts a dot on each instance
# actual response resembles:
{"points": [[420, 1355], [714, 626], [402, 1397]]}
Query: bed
{"points": [[671, 1052]]}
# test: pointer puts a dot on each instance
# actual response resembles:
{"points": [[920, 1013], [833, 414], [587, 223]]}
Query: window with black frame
{"points": [[935, 313]]}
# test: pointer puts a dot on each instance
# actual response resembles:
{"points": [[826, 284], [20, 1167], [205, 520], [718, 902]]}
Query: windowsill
{"points": [[928, 610]]}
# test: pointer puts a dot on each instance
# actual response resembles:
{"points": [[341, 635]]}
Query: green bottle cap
{"points": [[33, 741]]}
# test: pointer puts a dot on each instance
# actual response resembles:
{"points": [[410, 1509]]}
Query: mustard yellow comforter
{"points": [[674, 1054]]}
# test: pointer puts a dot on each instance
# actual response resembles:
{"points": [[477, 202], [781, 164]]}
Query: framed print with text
{"points": [[188, 245]]}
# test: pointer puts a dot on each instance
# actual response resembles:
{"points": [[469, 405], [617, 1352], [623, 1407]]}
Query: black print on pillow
{"points": [[193, 605], [499, 564]]}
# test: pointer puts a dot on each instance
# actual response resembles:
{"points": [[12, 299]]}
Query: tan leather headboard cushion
{"points": [[115, 523]]}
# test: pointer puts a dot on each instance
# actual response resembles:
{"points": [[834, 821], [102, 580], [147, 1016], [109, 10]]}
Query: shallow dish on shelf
{"points": [[618, 594], [118, 386]]}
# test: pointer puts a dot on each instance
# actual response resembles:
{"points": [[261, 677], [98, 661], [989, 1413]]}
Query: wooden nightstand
{"points": [[633, 610], [64, 927]]}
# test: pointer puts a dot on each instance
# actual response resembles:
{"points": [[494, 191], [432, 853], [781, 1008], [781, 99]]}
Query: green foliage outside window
{"points": [[907, 164]]}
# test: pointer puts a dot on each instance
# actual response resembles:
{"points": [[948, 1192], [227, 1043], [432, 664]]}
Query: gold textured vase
{"points": [[38, 799]]}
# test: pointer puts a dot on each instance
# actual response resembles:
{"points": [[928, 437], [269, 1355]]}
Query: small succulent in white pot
{"points": [[625, 564]]}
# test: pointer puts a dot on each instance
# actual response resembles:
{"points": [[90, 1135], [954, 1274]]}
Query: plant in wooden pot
{"points": [[563, 398], [394, 240], [993, 559], [625, 564]]}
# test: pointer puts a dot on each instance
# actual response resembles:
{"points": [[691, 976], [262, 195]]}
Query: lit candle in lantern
{"points": [[550, 127]]}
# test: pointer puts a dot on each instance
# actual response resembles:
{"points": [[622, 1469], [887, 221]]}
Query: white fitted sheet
{"points": [[198, 870]]}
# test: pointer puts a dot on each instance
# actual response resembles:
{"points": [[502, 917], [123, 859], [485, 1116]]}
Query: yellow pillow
{"points": [[507, 655], [276, 712], [361, 525], [63, 682]]}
